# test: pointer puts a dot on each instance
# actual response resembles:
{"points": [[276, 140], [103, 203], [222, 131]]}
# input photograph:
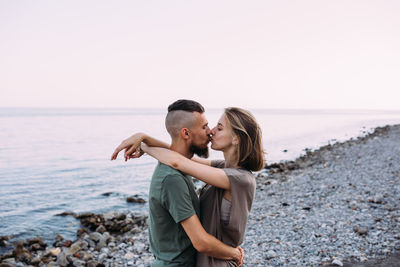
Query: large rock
{"points": [[91, 220], [92, 263], [62, 259], [21, 254], [4, 240], [135, 199], [75, 248], [95, 236]]}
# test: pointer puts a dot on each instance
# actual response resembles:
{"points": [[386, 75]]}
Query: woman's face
{"points": [[222, 135]]}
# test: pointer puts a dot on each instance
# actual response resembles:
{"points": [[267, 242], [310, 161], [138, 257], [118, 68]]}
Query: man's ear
{"points": [[185, 133]]}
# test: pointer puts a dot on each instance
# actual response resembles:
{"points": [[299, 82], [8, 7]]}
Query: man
{"points": [[175, 231]]}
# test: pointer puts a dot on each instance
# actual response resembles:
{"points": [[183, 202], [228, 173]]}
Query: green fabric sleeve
{"points": [[175, 197]]}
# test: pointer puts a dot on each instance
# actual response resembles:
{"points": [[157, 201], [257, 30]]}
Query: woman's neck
{"points": [[230, 158]]}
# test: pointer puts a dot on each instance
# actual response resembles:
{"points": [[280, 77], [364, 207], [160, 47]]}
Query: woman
{"points": [[226, 199]]}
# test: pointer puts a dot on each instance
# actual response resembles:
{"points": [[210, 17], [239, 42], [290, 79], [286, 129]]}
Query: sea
{"points": [[54, 160]]}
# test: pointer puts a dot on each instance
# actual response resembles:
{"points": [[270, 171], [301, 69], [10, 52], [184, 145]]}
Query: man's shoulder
{"points": [[163, 171]]}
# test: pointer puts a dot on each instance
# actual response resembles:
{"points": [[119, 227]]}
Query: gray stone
{"points": [[62, 259], [101, 229], [75, 247], [6, 264], [271, 254], [78, 263], [92, 263], [95, 236], [102, 257]]}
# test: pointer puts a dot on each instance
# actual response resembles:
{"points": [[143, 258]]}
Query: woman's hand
{"points": [[131, 147], [240, 262]]}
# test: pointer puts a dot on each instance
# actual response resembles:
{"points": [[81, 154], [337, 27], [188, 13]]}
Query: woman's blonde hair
{"points": [[250, 152]]}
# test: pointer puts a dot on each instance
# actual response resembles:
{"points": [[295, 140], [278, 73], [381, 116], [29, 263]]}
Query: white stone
{"points": [[337, 262], [129, 256]]}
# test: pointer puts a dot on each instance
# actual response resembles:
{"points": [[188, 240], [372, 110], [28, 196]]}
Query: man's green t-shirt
{"points": [[172, 199]]}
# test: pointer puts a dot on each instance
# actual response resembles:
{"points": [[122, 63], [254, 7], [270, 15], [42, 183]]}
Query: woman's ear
{"points": [[235, 140]]}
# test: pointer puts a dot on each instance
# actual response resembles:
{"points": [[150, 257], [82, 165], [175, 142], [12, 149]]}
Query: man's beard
{"points": [[199, 151]]}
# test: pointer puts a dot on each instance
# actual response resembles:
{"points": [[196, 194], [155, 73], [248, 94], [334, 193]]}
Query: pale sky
{"points": [[252, 54]]}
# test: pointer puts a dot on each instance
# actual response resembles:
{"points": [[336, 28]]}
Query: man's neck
{"points": [[181, 149]]}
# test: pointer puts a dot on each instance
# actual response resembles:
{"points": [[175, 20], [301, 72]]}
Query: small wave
{"points": [[71, 170]]}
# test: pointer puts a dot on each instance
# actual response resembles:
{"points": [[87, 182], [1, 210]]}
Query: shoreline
{"points": [[122, 238]]}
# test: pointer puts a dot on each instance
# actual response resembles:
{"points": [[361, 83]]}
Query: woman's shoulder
{"points": [[240, 177], [217, 163]]}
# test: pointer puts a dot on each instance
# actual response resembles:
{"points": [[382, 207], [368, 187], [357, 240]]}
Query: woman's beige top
{"points": [[243, 187]]}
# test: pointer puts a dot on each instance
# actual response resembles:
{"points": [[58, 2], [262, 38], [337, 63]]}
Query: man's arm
{"points": [[205, 243]]}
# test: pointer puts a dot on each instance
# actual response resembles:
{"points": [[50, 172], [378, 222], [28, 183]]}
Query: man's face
{"points": [[200, 136]]}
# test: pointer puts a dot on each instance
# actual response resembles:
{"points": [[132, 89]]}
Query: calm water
{"points": [[56, 160]]}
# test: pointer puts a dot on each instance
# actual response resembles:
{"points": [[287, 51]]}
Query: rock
{"points": [[47, 258], [120, 217], [78, 263], [59, 238], [6, 264], [109, 215], [91, 243], [135, 199], [105, 250], [95, 236], [101, 229], [111, 245], [67, 243], [91, 220], [87, 256], [54, 251], [21, 254], [107, 236], [129, 256], [68, 213], [139, 246], [35, 261], [271, 254], [102, 257], [75, 248], [37, 240], [122, 246], [36, 247], [92, 263], [378, 199], [337, 262], [59, 241], [389, 208], [101, 244], [4, 240], [62, 259], [362, 230], [81, 232]]}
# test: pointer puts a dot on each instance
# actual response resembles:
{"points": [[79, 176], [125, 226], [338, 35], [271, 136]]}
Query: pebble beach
{"points": [[335, 206], [338, 205]]}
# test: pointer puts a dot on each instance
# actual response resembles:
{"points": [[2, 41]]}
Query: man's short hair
{"points": [[186, 105], [181, 115]]}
